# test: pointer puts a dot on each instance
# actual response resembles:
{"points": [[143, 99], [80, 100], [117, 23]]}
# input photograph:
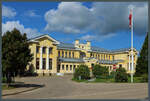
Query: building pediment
{"points": [[43, 37]]}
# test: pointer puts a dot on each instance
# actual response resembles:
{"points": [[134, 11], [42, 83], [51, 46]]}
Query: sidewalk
{"points": [[14, 91]]}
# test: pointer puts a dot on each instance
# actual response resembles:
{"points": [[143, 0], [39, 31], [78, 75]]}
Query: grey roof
{"points": [[37, 36], [97, 49], [70, 46], [120, 50], [70, 60], [110, 62], [66, 46]]}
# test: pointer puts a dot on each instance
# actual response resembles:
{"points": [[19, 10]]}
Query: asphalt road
{"points": [[65, 88]]}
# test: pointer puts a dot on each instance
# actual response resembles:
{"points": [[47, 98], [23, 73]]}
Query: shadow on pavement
{"points": [[20, 85], [22, 88]]}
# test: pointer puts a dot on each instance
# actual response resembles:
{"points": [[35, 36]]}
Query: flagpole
{"points": [[132, 66]]}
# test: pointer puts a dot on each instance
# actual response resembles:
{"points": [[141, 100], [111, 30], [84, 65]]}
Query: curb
{"points": [[20, 91]]}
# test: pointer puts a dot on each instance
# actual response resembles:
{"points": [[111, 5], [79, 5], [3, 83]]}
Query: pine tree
{"points": [[15, 53], [142, 62]]}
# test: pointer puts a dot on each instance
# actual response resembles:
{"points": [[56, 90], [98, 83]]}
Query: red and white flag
{"points": [[130, 19]]}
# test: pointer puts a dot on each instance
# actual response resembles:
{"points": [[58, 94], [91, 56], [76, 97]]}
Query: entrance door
{"points": [[58, 68]]}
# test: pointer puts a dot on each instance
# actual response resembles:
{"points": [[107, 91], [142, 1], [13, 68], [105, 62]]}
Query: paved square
{"points": [[65, 88]]}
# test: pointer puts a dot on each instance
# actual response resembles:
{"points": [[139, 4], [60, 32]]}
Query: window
{"points": [[128, 66], [104, 56], [66, 54], [62, 53], [37, 49], [82, 54], [70, 67], [58, 53], [62, 67], [44, 63], [44, 50], [73, 54], [50, 63], [113, 58], [69, 54], [90, 54], [37, 63], [110, 67], [66, 67], [74, 67], [50, 50], [109, 57]]}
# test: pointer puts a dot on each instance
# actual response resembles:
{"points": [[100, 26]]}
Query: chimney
{"points": [[76, 43], [88, 44]]}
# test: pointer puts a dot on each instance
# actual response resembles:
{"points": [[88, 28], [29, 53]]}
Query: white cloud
{"points": [[70, 17], [115, 18], [10, 25], [31, 13], [101, 19], [8, 12], [96, 37], [88, 37]]}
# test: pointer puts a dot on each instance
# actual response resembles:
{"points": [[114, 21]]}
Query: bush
{"points": [[121, 75], [112, 74], [4, 80], [83, 72], [96, 70], [100, 71], [30, 71], [144, 78]]}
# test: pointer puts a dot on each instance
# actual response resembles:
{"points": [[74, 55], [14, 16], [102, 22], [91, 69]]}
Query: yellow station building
{"points": [[51, 56]]}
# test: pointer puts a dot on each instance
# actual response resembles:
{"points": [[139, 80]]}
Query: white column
{"points": [[41, 62], [47, 58]]}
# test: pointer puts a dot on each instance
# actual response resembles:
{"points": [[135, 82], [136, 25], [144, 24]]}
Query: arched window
{"points": [[82, 54]]}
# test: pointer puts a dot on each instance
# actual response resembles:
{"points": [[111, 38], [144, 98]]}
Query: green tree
{"points": [[83, 72], [15, 54], [121, 75], [100, 71], [96, 70], [142, 62]]}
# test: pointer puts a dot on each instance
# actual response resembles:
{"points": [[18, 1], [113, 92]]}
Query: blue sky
{"points": [[104, 24]]}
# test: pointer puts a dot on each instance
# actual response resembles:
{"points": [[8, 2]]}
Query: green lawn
{"points": [[80, 80], [104, 80], [112, 80], [135, 79], [4, 87]]}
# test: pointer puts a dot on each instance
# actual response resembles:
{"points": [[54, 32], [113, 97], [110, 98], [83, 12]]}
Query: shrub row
{"points": [[98, 71]]}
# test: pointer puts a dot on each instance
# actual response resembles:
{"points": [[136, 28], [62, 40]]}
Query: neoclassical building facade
{"points": [[51, 56]]}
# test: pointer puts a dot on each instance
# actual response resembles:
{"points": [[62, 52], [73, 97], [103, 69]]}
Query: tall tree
{"points": [[15, 53], [142, 62]]}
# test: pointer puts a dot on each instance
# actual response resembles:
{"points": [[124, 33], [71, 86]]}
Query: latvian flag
{"points": [[130, 19]]}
